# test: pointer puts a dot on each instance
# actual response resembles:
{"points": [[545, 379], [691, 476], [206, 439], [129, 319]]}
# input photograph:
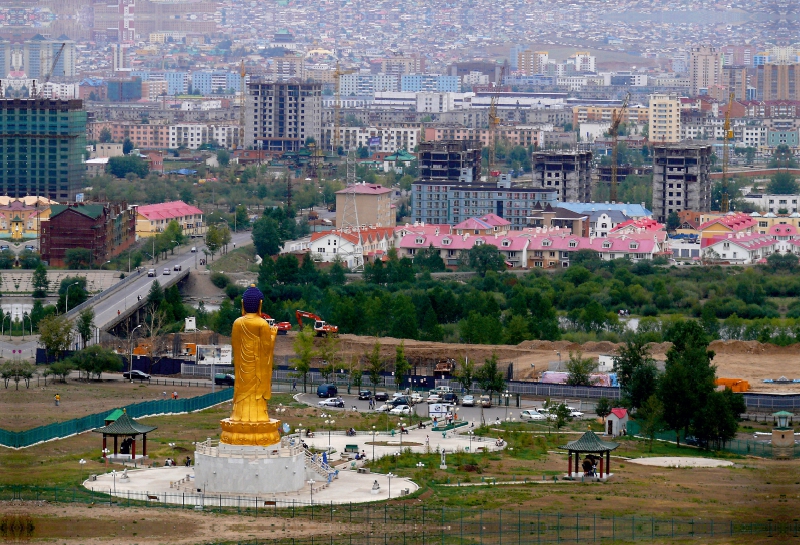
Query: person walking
{"points": [[57, 399]]}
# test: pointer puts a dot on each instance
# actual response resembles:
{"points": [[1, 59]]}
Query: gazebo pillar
{"points": [[144, 444], [569, 463], [115, 446], [133, 448], [601, 464], [104, 445], [608, 462]]}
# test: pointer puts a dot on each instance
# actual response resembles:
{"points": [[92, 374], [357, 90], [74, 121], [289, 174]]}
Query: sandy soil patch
{"points": [[680, 461]]}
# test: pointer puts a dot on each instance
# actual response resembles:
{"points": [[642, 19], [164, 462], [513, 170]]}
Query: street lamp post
{"points": [[373, 443], [390, 475], [130, 353], [82, 462], [330, 424], [506, 395], [66, 302], [401, 425], [470, 434], [30, 322], [312, 482]]}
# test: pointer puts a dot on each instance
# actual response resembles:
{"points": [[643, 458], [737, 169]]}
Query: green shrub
{"points": [[220, 280]]}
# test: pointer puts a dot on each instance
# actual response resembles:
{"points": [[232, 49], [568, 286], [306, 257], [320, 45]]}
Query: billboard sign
{"points": [[374, 141], [221, 354]]}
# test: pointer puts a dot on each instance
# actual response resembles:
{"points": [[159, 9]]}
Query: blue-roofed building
{"points": [[633, 211], [177, 83]]}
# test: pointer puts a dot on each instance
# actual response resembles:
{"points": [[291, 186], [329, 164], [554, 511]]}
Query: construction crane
{"points": [[724, 203], [242, 102], [283, 327], [337, 106], [617, 117], [494, 121], [320, 327], [38, 94]]}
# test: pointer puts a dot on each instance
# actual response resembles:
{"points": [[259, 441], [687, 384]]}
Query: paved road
{"points": [[106, 310]]}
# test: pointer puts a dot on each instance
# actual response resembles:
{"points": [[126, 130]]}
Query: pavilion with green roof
{"points": [[589, 443], [119, 424]]}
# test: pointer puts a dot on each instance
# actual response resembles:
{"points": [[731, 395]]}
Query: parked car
{"points": [[30, 247], [222, 378], [166, 270], [468, 401], [364, 394], [573, 413], [178, 267], [384, 408], [416, 397], [136, 374], [402, 400], [532, 414], [4, 247], [194, 249], [332, 402], [434, 398], [151, 272], [401, 410], [381, 396], [327, 390], [450, 397], [485, 401]]}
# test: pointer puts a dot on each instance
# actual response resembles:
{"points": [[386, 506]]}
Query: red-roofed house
{"points": [[152, 219], [724, 225], [616, 421]]}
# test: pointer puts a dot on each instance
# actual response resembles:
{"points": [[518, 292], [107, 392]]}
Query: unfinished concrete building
{"points": [[567, 172], [450, 160], [681, 179]]}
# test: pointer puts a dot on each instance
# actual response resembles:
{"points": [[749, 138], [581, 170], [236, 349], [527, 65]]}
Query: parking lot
{"points": [[471, 414]]}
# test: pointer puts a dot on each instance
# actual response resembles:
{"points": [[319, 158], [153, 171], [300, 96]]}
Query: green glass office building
{"points": [[41, 148]]}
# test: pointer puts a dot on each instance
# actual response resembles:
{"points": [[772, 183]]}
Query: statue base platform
{"points": [[252, 470], [250, 433]]}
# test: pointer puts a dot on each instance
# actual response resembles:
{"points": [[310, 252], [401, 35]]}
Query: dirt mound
{"points": [[561, 346], [603, 347], [659, 348], [750, 347]]}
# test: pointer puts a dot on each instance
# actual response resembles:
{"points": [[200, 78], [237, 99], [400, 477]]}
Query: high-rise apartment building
{"points": [[280, 116], [778, 81], [734, 80], [453, 160], [38, 54], [665, 118], [41, 146], [681, 179], [6, 53], [705, 68], [569, 173], [398, 66], [584, 61], [532, 62], [121, 58]]}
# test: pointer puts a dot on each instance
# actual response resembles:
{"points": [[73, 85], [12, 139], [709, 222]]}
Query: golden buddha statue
{"points": [[253, 342]]}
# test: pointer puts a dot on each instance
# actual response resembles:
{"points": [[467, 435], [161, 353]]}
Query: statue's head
{"points": [[251, 300]]}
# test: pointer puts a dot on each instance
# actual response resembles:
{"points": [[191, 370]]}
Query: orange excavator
{"points": [[320, 327], [283, 327]]}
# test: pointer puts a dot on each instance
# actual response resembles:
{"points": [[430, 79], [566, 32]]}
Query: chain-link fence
{"points": [[421, 525]]}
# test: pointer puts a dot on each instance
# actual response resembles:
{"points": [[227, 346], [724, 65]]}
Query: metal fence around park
{"points": [[58, 430], [419, 524], [734, 446]]}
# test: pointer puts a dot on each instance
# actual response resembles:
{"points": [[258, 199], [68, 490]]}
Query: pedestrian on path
{"points": [[427, 441], [57, 399], [294, 385]]}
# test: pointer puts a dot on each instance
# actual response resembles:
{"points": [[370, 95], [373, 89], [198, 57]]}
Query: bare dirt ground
{"points": [[96, 524], [748, 360], [29, 408]]}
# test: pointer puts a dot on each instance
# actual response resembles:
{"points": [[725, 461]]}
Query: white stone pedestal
{"points": [[234, 469]]}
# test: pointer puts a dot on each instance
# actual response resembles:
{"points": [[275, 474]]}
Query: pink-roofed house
{"points": [[152, 219], [739, 248], [352, 247]]}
